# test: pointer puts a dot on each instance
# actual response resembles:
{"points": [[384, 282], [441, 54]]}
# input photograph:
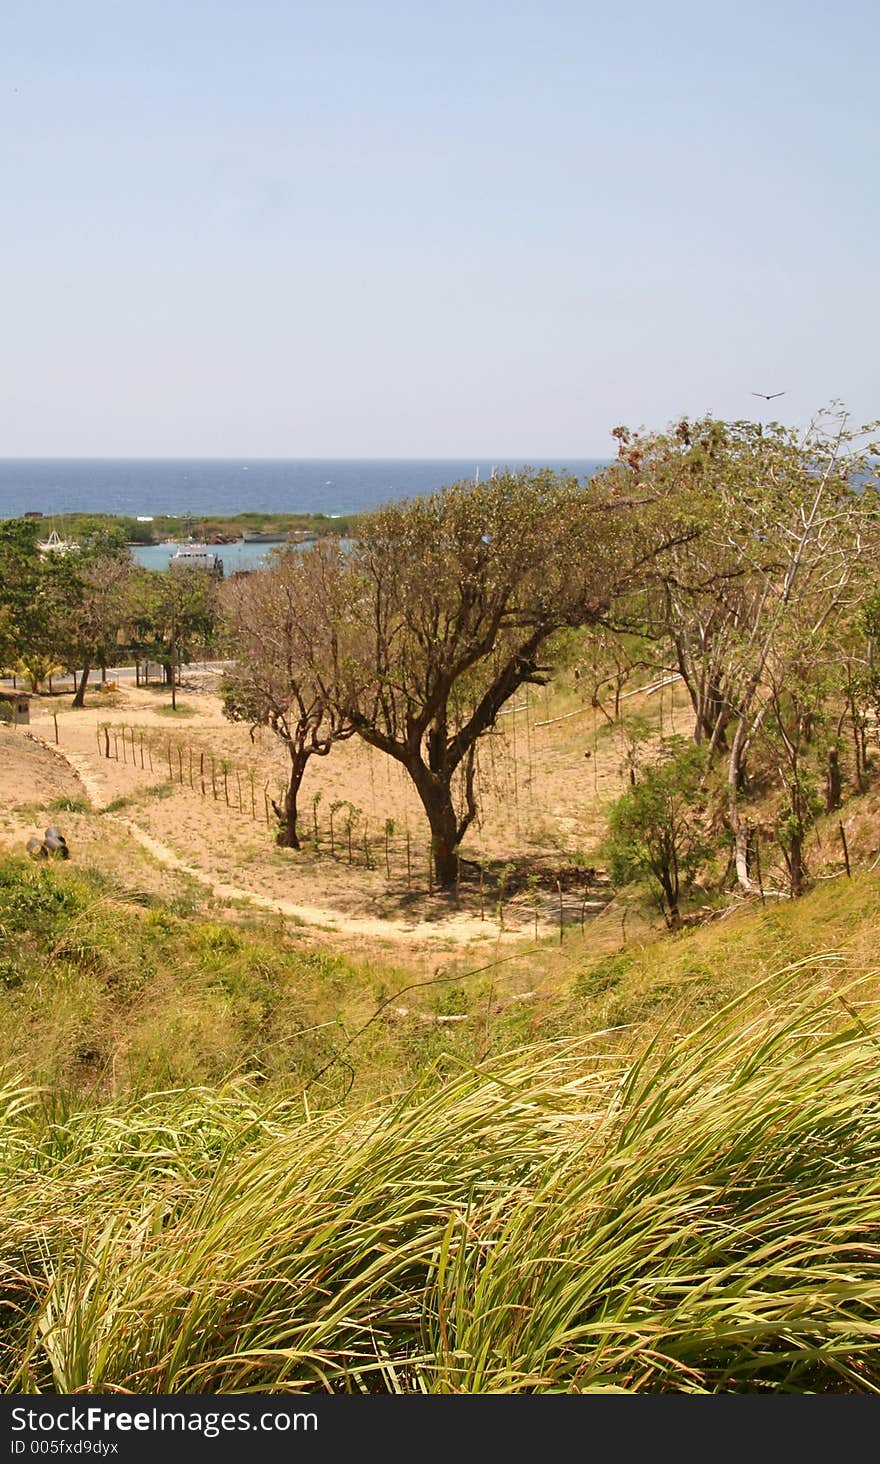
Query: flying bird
{"points": [[771, 396]]}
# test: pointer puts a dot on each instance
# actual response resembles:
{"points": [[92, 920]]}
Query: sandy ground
{"points": [[541, 803]]}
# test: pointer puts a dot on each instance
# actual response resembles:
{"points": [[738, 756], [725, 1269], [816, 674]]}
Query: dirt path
{"points": [[461, 928]]}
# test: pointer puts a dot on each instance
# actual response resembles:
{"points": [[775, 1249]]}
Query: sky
{"points": [[430, 228]]}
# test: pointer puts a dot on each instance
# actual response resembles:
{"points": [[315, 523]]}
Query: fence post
{"points": [[758, 868]]}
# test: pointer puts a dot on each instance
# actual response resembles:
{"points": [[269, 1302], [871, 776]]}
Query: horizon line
{"points": [[311, 458]]}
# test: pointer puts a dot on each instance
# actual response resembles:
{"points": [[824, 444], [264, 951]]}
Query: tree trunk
{"points": [[796, 867], [738, 825], [80, 697], [832, 781], [437, 802], [286, 812], [671, 913]]}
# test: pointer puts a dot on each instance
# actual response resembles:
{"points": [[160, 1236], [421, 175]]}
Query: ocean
{"points": [[143, 486]]}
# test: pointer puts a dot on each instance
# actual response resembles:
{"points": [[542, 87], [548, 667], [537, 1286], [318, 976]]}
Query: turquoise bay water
{"points": [[234, 556]]}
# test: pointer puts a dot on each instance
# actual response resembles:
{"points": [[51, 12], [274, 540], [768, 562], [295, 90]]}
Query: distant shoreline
{"points": [[209, 528]]}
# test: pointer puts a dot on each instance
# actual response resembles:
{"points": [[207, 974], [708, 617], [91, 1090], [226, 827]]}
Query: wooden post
{"points": [[141, 746], [226, 784], [170, 768], [202, 771], [55, 720], [266, 806], [124, 758], [845, 850], [180, 764], [238, 783], [106, 741], [758, 868]]}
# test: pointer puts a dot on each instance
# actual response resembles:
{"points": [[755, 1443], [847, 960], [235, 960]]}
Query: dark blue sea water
{"points": [[55, 486]]}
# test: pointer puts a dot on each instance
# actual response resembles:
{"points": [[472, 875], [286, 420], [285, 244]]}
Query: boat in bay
{"points": [[193, 555]]}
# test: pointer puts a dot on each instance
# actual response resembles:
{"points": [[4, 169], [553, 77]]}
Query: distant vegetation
{"points": [[176, 526]]}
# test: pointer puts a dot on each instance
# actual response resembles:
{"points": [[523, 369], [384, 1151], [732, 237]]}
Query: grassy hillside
{"points": [[105, 992], [657, 1172], [701, 1217]]}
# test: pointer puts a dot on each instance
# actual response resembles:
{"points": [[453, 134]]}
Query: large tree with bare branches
{"points": [[454, 602], [285, 623]]}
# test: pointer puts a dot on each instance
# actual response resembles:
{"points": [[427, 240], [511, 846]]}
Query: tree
{"points": [[20, 578], [656, 830], [172, 611], [280, 623], [454, 602], [97, 607], [788, 543]]}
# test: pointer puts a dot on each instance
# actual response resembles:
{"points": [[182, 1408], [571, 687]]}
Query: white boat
{"points": [[196, 556], [55, 544]]}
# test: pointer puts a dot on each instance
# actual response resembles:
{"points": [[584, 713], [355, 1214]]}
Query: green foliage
{"points": [[656, 830]]}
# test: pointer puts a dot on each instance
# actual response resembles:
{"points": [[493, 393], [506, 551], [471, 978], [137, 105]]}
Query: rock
{"points": [[56, 844]]}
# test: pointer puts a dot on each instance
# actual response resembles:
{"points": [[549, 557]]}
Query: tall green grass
{"points": [[701, 1215]]}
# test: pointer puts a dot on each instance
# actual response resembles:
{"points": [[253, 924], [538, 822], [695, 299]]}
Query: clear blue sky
{"points": [[430, 227]]}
